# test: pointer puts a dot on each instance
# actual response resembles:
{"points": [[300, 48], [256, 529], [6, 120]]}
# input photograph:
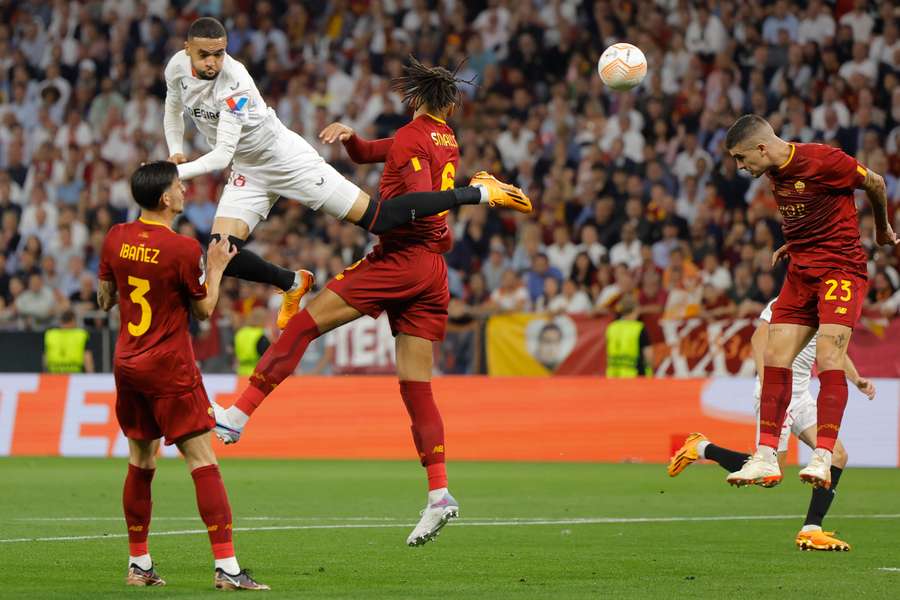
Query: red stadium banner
{"points": [[486, 418]]}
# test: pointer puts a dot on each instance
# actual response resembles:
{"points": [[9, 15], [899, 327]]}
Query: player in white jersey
{"points": [[801, 421], [269, 161]]}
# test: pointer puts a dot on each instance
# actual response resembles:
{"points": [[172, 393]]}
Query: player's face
{"points": [[175, 196], [752, 157], [207, 56]]}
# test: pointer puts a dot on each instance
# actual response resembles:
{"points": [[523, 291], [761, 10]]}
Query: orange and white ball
{"points": [[622, 66]]}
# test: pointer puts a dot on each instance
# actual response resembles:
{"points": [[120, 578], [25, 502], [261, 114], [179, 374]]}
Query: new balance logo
{"points": [[840, 310], [439, 449]]}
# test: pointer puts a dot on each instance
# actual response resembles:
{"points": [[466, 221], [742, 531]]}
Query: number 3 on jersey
{"points": [[141, 287]]}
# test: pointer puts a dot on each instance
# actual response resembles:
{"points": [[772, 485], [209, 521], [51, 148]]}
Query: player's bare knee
{"points": [[829, 359], [227, 226], [197, 450], [143, 462], [360, 205], [776, 356]]}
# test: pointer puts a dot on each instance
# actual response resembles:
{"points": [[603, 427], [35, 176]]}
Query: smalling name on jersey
{"points": [[443, 139], [139, 253]]}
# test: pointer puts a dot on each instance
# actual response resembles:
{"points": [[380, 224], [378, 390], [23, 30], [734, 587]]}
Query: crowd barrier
{"points": [[486, 418]]}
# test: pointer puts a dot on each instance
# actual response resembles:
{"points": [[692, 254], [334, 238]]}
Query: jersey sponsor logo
{"points": [[202, 113], [793, 211], [140, 253], [237, 103], [799, 186], [443, 139]]}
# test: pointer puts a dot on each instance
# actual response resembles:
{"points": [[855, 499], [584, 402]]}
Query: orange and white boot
{"points": [[760, 469]]}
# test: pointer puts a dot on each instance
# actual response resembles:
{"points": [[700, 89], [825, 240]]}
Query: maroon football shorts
{"points": [[147, 409], [814, 296], [410, 284]]}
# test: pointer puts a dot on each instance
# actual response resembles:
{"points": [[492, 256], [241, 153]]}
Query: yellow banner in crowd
{"points": [[541, 344]]}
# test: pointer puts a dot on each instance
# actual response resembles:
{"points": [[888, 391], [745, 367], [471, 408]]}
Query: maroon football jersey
{"points": [[423, 158], [157, 273], [814, 191]]}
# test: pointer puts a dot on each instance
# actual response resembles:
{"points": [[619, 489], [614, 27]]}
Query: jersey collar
{"points": [[157, 223], [438, 119], [789, 159]]}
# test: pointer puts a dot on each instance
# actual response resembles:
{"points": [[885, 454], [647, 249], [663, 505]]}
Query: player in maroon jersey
{"points": [[157, 277], [825, 285], [404, 275]]}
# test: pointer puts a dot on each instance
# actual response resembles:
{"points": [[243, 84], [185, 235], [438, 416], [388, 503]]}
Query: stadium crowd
{"points": [[634, 193]]}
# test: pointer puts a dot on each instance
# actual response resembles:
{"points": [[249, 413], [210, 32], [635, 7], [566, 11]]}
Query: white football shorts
{"points": [[291, 169]]}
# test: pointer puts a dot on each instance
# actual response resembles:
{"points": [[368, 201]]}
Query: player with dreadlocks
{"points": [[404, 275]]}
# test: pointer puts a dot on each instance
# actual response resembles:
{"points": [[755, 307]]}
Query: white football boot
{"points": [[818, 471], [225, 430], [434, 517], [760, 469]]}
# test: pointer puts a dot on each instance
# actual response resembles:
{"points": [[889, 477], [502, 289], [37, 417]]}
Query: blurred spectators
{"points": [[634, 195]]}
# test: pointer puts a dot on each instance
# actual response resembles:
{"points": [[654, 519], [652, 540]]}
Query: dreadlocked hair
{"points": [[435, 87]]}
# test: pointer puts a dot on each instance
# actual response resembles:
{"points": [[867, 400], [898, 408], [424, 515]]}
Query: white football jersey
{"points": [[234, 91], [803, 364]]}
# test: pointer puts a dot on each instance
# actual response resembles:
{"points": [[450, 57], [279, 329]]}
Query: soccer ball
{"points": [[622, 66]]}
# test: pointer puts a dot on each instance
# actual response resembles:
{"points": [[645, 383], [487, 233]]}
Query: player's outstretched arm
{"points": [[228, 132], [107, 296], [218, 256], [876, 191], [360, 151], [173, 123]]}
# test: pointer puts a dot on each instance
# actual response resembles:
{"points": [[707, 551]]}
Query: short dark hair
{"points": [[743, 128], [150, 181], [206, 27]]}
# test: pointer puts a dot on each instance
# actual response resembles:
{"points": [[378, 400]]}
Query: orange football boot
{"points": [[290, 304], [820, 540], [686, 454], [502, 194]]}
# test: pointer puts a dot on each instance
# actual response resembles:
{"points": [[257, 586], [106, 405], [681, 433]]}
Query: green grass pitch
{"points": [[321, 529]]}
